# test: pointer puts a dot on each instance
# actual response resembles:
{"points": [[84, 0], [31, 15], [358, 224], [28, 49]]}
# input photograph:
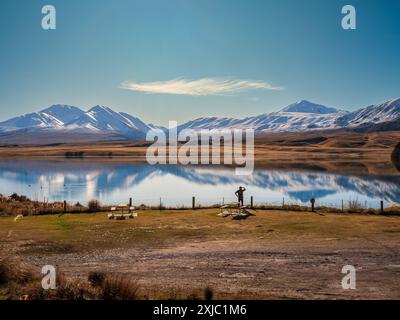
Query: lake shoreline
{"points": [[348, 153]]}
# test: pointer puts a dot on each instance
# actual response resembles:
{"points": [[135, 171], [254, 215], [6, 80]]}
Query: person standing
{"points": [[239, 195]]}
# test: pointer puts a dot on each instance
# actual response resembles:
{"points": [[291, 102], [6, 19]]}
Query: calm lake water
{"points": [[114, 183]]}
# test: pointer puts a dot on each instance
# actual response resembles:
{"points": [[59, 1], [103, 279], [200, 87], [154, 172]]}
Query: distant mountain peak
{"points": [[60, 107], [305, 106], [100, 108], [63, 113]]}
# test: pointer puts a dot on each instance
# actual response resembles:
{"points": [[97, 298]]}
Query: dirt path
{"points": [[247, 270]]}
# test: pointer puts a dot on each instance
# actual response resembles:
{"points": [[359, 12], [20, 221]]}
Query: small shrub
{"points": [[194, 295], [355, 206], [4, 274], [94, 206], [12, 271], [96, 278], [119, 288], [71, 291], [208, 293], [19, 198]]}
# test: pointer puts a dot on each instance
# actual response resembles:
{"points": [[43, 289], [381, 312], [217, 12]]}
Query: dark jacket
{"points": [[240, 192]]}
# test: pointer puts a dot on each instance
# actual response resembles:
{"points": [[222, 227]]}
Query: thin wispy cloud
{"points": [[200, 87]]}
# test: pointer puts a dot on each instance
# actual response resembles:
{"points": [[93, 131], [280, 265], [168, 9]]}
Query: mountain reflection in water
{"points": [[113, 183]]}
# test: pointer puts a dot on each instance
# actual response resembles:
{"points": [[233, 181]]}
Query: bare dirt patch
{"points": [[272, 255]]}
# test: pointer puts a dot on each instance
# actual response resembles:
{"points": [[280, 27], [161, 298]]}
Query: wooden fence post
{"points": [[251, 202], [382, 211], [130, 202], [312, 200], [65, 206], [193, 203]]}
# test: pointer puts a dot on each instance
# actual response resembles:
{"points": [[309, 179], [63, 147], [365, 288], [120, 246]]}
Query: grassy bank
{"points": [[15, 205], [51, 234]]}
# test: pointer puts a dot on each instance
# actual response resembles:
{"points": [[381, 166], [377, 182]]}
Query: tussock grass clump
{"points": [[14, 278], [99, 286], [96, 278], [12, 271], [354, 206], [5, 273], [208, 293], [119, 288]]}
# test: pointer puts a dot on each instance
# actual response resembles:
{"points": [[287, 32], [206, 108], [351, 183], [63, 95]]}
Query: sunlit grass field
{"points": [[55, 234]]}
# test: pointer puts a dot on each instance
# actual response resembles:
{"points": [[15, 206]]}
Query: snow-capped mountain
{"points": [[301, 116], [104, 120], [304, 116], [383, 112], [98, 119], [54, 117]]}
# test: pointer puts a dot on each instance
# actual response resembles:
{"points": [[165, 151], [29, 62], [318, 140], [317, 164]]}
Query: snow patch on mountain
{"points": [[63, 113], [37, 120], [305, 106]]}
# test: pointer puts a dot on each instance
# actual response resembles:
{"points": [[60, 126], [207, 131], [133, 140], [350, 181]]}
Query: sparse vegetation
{"points": [[119, 287], [96, 278], [76, 154], [14, 272], [94, 206], [13, 275], [208, 293], [20, 205], [355, 206], [18, 282]]}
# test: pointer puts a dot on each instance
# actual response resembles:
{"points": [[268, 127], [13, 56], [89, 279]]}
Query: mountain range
{"points": [[302, 116]]}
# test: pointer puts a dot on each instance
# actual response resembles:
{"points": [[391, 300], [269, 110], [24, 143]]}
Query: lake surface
{"points": [[115, 183]]}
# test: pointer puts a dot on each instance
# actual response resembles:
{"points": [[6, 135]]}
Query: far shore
{"points": [[353, 153]]}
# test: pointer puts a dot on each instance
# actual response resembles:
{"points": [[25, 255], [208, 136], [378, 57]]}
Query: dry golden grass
{"points": [[18, 282], [71, 233]]}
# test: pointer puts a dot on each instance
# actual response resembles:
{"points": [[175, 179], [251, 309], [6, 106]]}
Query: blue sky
{"points": [[192, 58]]}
